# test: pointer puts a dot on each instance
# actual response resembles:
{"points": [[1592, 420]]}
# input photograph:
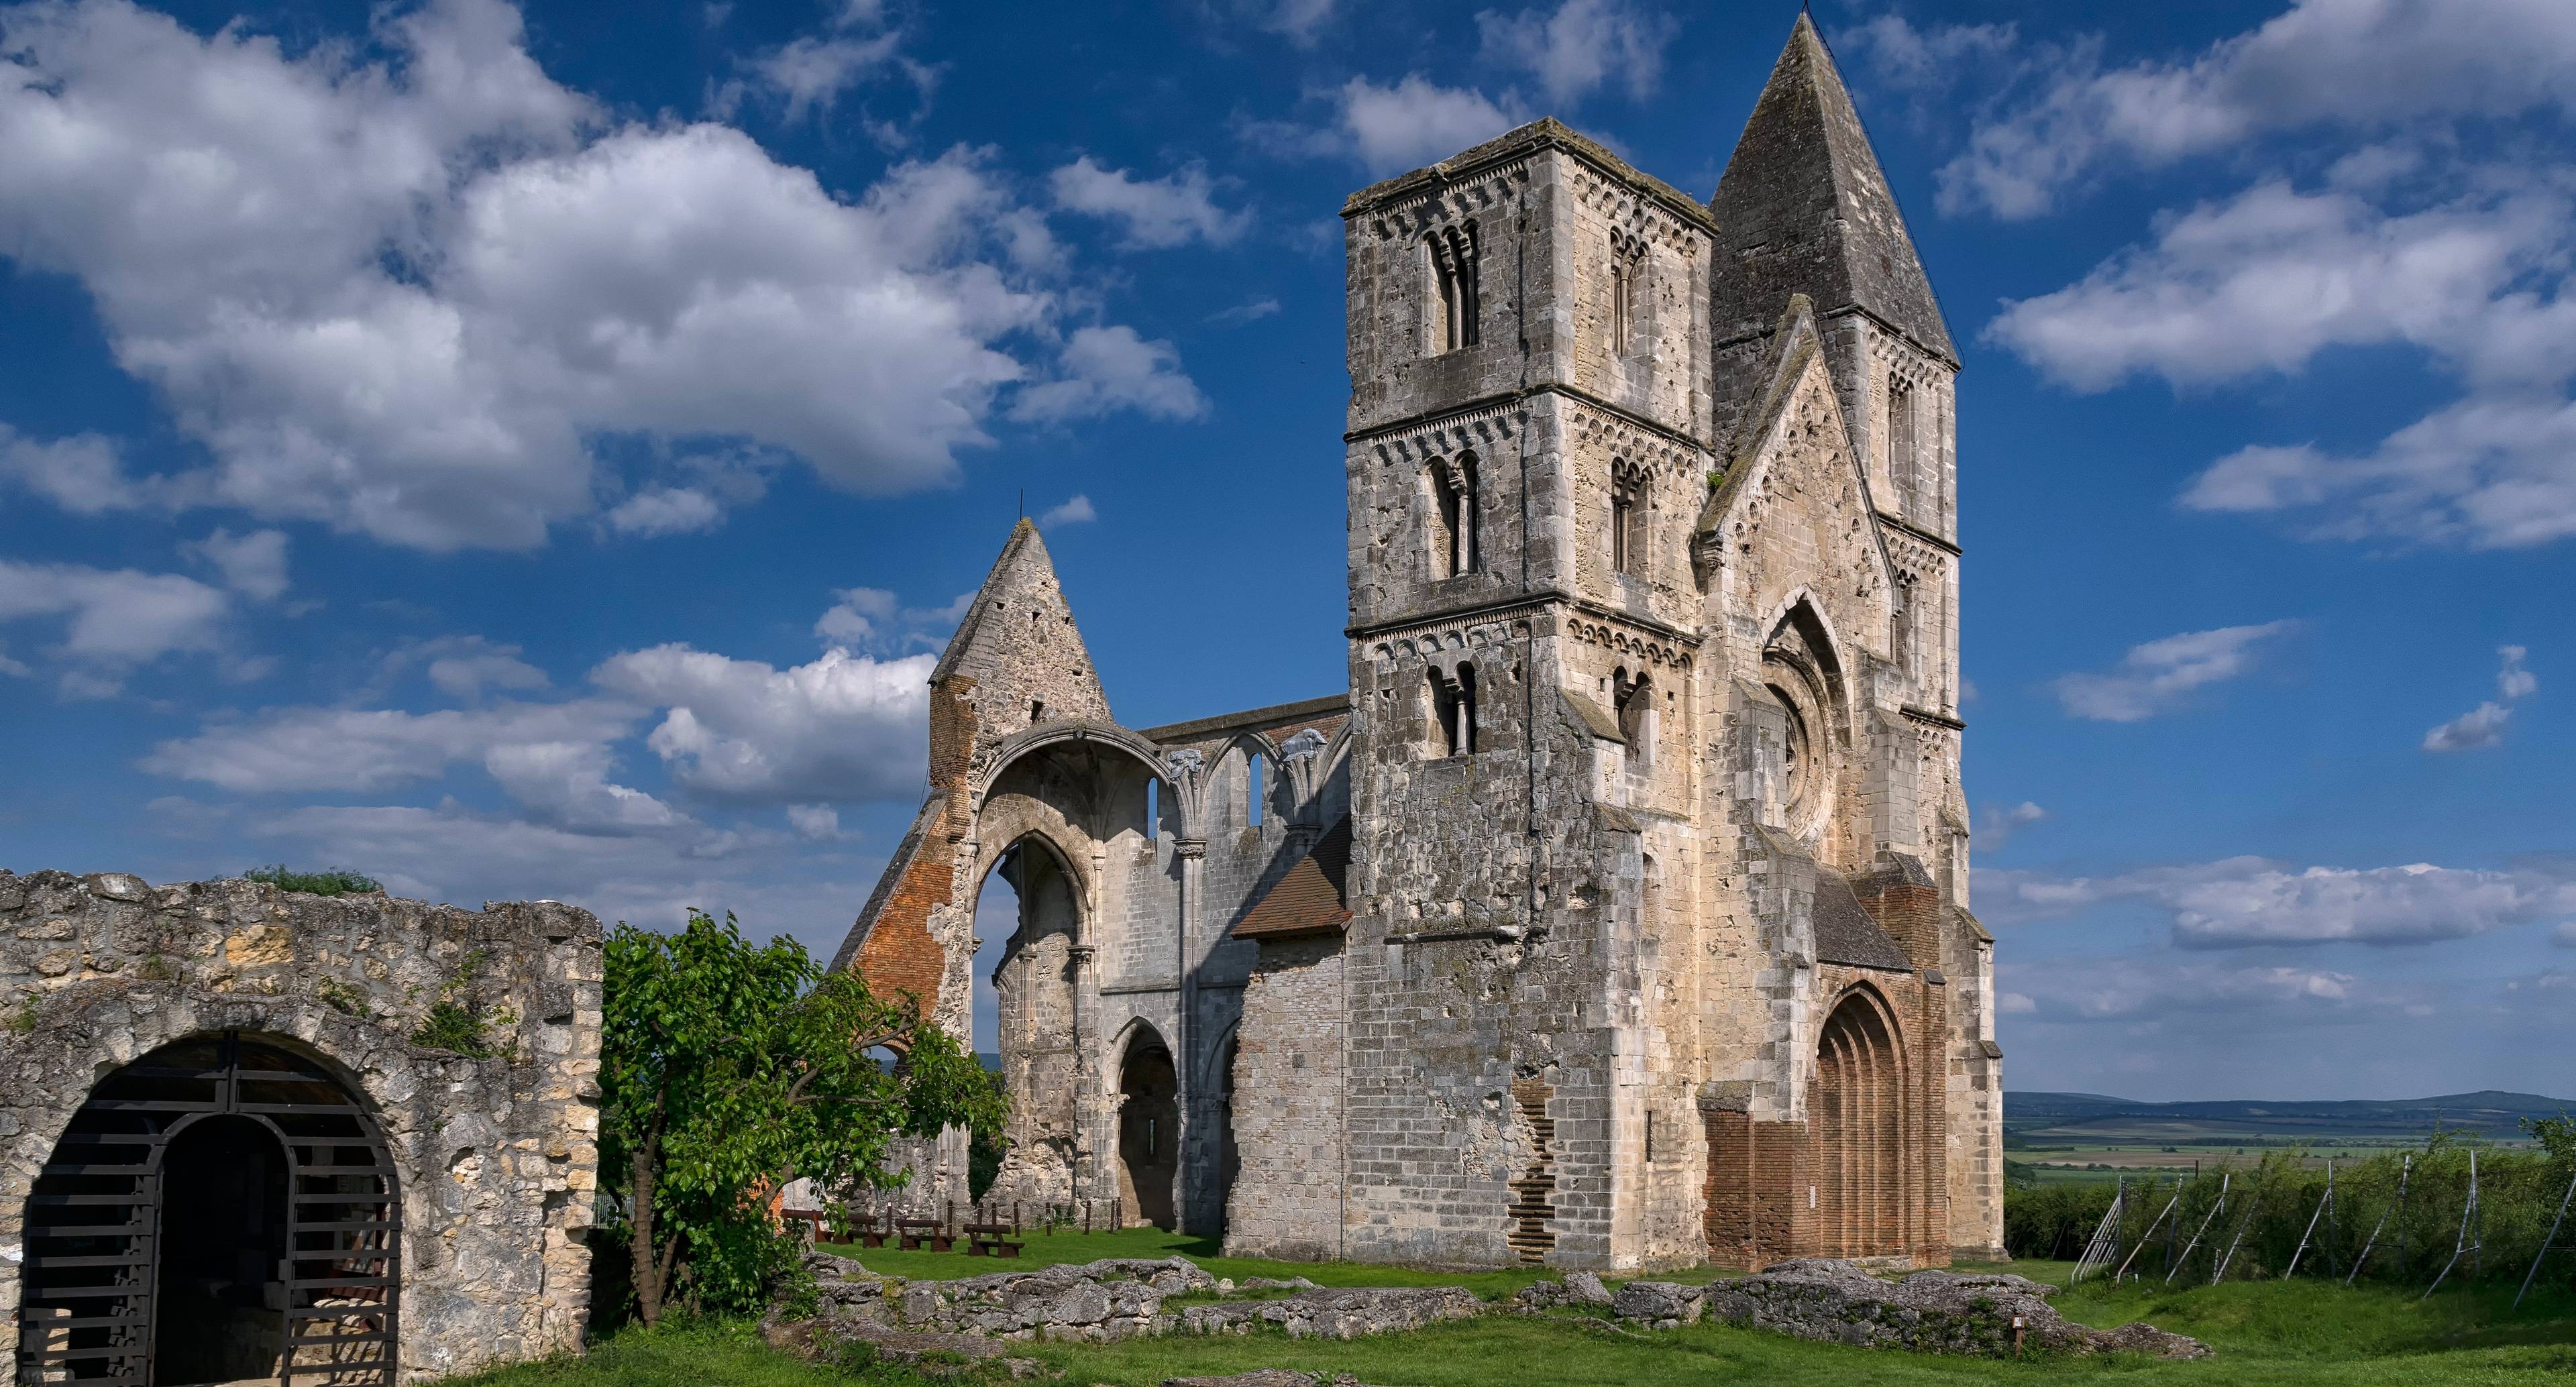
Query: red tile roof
{"points": [[1309, 899]]}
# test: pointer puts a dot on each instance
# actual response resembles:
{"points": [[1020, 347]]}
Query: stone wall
{"points": [[497, 1158], [1288, 1123]]}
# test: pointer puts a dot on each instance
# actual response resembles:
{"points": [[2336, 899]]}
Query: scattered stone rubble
{"points": [[1096, 1302], [1118, 1298], [1929, 1312]]}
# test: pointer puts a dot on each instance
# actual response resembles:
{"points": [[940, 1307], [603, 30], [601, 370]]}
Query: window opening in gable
{"points": [[1252, 779], [1153, 810], [1454, 285]]}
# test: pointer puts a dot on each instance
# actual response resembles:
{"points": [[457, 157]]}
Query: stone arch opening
{"points": [[1032, 986], [222, 1208], [1803, 675], [1149, 1129], [1858, 1112]]}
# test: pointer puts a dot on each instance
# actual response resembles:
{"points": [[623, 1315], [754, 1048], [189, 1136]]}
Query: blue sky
{"points": [[535, 452]]}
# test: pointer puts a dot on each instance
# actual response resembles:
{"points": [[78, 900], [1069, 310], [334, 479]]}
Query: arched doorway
{"points": [[219, 1209], [1859, 1117], [1149, 1129], [1033, 981]]}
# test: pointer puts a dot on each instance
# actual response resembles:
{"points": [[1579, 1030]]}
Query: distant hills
{"points": [[2094, 1117]]}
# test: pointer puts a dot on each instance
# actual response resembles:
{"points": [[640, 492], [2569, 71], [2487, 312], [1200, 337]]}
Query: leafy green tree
{"points": [[728, 1069]]}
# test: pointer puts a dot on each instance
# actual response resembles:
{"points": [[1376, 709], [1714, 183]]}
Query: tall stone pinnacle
{"points": [[1803, 209]]}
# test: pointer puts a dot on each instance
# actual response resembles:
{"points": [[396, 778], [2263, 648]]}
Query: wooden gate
{"points": [[94, 1222]]}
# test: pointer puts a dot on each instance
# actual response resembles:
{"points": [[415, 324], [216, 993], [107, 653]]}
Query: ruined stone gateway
{"points": [[1616, 916], [224, 1156]]}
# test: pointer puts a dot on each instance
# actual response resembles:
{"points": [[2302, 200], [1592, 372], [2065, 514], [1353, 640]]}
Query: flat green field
{"points": [[2306, 1332]]}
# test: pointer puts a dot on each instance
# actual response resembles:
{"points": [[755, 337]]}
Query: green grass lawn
{"points": [[1153, 1242], [2293, 1335]]}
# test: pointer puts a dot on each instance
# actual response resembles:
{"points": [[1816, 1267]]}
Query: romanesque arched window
{"points": [[1453, 711], [1456, 544], [1454, 286], [1627, 271], [1628, 506], [1636, 700]]}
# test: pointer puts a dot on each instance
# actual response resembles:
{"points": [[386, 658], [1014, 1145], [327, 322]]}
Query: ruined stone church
{"points": [[1616, 915]]}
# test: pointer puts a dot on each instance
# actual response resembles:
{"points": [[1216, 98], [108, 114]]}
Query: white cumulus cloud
{"points": [[394, 286], [1075, 511], [112, 620], [2484, 724], [1109, 368], [253, 565], [2155, 677], [1414, 122], [1997, 825], [1156, 213], [1582, 44], [2353, 65], [844, 727], [2249, 901]]}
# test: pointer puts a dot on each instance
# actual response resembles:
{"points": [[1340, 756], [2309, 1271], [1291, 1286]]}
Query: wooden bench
{"points": [[914, 1233], [991, 1240], [876, 1230]]}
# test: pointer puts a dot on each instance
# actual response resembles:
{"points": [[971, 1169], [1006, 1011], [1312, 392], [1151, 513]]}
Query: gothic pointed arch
{"points": [[1149, 1127], [1861, 1121]]}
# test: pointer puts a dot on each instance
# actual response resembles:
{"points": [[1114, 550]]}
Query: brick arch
{"points": [[1859, 1117]]}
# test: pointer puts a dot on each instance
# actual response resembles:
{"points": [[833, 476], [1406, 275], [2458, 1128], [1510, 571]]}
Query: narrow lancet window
{"points": [[1903, 469], [1454, 286]]}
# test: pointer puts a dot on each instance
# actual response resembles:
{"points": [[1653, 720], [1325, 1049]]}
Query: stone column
{"points": [[1192, 854], [1086, 1099]]}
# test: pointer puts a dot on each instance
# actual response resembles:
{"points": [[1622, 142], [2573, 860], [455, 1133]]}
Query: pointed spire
{"points": [[1017, 657], [996, 582], [1803, 208]]}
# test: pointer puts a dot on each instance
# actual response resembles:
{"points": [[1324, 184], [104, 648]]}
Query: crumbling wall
{"points": [[497, 1157]]}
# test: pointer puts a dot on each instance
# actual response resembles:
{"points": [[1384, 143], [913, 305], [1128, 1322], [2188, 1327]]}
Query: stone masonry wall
{"points": [[1288, 1122], [497, 1158]]}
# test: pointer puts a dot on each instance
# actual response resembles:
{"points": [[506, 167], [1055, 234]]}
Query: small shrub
{"points": [[23, 1020], [340, 997], [452, 1024], [339, 881]]}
